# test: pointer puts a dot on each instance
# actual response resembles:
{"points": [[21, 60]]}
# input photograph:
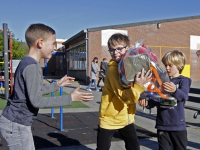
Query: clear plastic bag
{"points": [[141, 56]]}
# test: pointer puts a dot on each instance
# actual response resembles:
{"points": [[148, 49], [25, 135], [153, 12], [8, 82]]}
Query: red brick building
{"points": [[161, 35]]}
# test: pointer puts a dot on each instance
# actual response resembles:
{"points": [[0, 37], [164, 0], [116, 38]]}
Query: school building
{"points": [[161, 36]]}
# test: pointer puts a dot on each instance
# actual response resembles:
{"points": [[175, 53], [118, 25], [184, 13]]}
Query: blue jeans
{"points": [[17, 136], [95, 84]]}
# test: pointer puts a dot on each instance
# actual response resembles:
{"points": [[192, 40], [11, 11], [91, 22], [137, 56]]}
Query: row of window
{"points": [[77, 57]]}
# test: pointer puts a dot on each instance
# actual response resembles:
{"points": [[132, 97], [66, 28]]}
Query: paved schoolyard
{"points": [[80, 126]]}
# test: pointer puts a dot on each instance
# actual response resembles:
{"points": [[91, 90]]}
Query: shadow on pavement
{"points": [[151, 144], [79, 129], [194, 90], [193, 124], [193, 145], [60, 140], [146, 115], [194, 99], [148, 143]]}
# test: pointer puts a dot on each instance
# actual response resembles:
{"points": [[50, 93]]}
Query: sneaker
{"points": [[88, 89], [97, 90]]}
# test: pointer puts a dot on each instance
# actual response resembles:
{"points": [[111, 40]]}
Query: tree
{"points": [[19, 50]]}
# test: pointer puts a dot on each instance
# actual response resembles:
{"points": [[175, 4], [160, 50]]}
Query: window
{"points": [[77, 57], [71, 55]]}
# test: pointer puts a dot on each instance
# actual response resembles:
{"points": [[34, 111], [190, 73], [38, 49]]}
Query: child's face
{"points": [[49, 46], [117, 52], [172, 70], [96, 60]]}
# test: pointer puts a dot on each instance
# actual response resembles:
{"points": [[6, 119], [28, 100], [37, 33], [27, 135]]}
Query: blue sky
{"points": [[68, 17]]}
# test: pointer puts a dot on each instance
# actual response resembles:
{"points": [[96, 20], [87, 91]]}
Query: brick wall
{"points": [[95, 49], [170, 36]]}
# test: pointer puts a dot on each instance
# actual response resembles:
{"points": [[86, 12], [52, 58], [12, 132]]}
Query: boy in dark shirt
{"points": [[170, 122], [24, 103]]}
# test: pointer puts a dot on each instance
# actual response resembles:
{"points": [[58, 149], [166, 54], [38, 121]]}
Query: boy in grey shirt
{"points": [[24, 103]]}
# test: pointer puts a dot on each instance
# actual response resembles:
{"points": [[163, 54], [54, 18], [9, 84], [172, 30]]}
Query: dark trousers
{"points": [[100, 80], [176, 139], [128, 134]]}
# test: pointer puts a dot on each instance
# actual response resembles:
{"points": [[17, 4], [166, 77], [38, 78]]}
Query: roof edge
{"points": [[142, 23], [128, 25], [75, 36]]}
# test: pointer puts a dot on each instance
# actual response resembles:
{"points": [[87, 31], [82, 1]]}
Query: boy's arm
{"points": [[181, 93], [126, 95], [48, 88], [152, 103], [103, 66], [34, 91]]}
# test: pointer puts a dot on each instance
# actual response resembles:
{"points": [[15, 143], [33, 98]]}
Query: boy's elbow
{"points": [[36, 105], [185, 98]]}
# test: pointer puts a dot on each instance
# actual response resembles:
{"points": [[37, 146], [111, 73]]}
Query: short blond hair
{"points": [[117, 39], [176, 58]]}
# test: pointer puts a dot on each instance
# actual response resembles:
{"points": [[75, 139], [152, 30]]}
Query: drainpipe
{"points": [[86, 47]]}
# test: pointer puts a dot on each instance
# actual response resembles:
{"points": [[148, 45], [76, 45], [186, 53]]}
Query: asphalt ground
{"points": [[80, 126], [78, 129]]}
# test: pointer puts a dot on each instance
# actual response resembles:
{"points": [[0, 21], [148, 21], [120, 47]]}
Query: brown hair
{"points": [[36, 31], [176, 58], [117, 39], [95, 58]]}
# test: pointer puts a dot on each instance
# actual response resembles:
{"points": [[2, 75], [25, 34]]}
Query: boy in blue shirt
{"points": [[24, 103], [170, 122]]}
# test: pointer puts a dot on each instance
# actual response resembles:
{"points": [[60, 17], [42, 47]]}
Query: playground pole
{"points": [[45, 68], [5, 45], [11, 73], [52, 110], [61, 111]]}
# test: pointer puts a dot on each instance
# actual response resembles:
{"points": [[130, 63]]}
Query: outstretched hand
{"points": [[65, 81], [81, 96], [144, 78]]}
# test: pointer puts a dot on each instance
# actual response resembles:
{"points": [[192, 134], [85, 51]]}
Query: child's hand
{"points": [[143, 79], [81, 96], [65, 81], [169, 87], [143, 103]]}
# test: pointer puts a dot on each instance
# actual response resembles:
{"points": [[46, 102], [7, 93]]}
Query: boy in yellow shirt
{"points": [[118, 105]]}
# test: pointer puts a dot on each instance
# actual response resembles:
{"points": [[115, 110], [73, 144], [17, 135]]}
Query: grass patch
{"points": [[3, 102]]}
